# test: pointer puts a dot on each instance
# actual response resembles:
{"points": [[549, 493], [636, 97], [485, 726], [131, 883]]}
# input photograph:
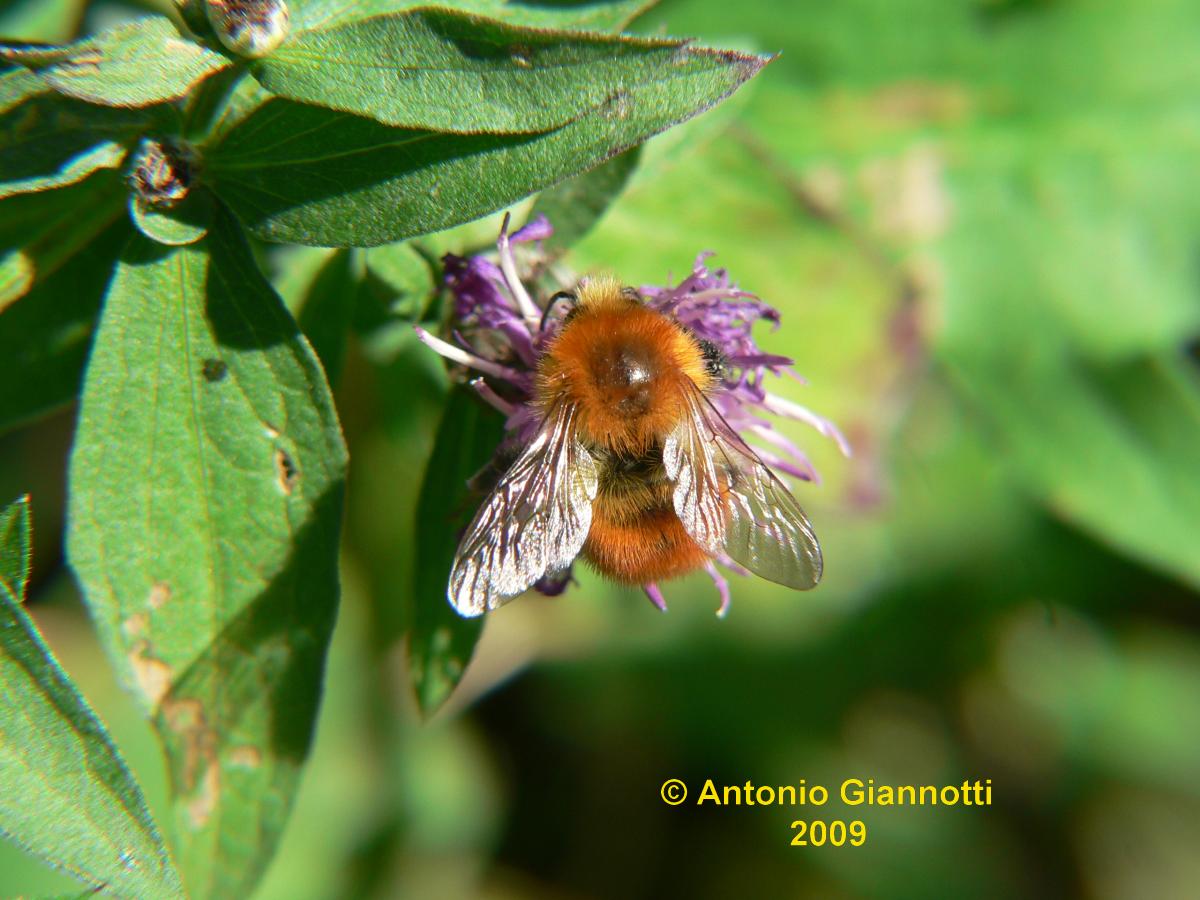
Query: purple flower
{"points": [[501, 333]]}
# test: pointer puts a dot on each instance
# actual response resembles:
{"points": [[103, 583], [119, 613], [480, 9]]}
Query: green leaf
{"points": [[1069, 289], [441, 642], [137, 64], [174, 226], [448, 71], [1113, 451], [17, 85], [41, 20], [575, 206], [327, 309], [600, 16], [68, 797], [48, 141], [206, 483], [71, 239], [16, 276], [406, 276], [15, 554], [312, 176]]}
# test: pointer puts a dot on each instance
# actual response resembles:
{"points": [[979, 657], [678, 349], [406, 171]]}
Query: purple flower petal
{"points": [[536, 229], [655, 595]]}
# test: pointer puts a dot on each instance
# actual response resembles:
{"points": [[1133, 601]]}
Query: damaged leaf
{"points": [[206, 485]]}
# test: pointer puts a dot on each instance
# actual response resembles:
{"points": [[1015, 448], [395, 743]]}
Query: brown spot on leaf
{"points": [[521, 56], [246, 756], [286, 471], [213, 370], [152, 674], [200, 807], [135, 624], [159, 595], [200, 776]]}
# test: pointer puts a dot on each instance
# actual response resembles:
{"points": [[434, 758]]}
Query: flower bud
{"points": [[251, 28], [162, 174]]}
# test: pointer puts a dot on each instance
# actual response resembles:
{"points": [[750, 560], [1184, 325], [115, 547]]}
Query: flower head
{"points": [[501, 332]]}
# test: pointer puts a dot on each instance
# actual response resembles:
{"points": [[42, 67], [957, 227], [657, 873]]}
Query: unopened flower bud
{"points": [[251, 28]]}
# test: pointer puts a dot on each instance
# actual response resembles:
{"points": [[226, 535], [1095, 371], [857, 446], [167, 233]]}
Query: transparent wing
{"points": [[534, 522], [728, 500]]}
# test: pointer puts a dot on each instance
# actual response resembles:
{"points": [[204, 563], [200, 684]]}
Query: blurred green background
{"points": [[981, 223]]}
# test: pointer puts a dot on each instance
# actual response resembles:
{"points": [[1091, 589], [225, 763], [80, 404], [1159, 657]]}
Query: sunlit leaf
{"points": [[48, 141], [137, 64], [448, 71], [313, 176], [595, 16], [441, 642], [206, 484], [68, 797]]}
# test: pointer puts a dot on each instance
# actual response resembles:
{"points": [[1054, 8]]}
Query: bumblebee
{"points": [[632, 468]]}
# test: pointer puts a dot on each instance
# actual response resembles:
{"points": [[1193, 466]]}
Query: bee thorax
{"points": [[627, 379]]}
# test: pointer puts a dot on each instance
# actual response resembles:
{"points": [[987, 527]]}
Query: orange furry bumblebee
{"points": [[632, 468]]}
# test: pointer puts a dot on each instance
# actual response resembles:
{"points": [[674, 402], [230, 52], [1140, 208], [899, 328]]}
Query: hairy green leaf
{"points": [[68, 797], [137, 64], [48, 141], [575, 206], [448, 71], [440, 641], [598, 16], [206, 484], [312, 176]]}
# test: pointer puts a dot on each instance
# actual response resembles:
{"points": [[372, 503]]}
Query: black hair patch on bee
{"points": [[714, 359], [632, 294]]}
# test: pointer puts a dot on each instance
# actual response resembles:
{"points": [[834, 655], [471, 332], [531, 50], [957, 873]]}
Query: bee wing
{"points": [[728, 500], [535, 520]]}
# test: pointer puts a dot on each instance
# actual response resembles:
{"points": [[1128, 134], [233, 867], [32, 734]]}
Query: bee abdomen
{"points": [[635, 536], [650, 545]]}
